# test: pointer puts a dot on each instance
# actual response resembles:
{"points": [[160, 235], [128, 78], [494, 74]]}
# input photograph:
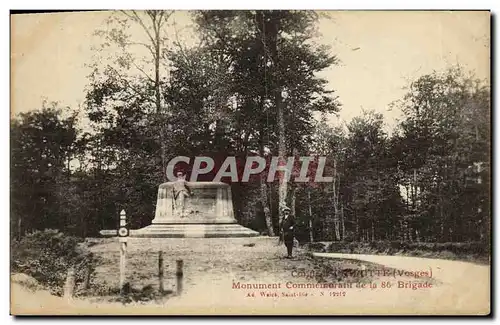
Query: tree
{"points": [[370, 175], [271, 82], [444, 134], [129, 115], [330, 142], [291, 63], [152, 24], [43, 143]]}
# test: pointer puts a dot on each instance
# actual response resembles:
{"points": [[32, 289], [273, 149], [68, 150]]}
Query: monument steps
{"points": [[193, 230]]}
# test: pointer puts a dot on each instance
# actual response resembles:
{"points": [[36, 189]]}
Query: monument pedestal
{"points": [[207, 212], [193, 230]]}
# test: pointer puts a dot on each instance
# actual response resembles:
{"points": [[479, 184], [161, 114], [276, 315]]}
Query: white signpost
{"points": [[123, 233]]}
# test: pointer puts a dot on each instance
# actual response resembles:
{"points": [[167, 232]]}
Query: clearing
{"points": [[220, 275]]}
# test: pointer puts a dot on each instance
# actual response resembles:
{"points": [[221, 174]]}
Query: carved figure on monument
{"points": [[181, 192], [208, 205]]}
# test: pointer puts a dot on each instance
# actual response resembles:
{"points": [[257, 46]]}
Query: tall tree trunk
{"points": [[311, 237], [271, 25], [441, 214], [159, 112], [283, 183], [401, 231], [83, 225], [98, 182], [343, 221], [264, 197], [265, 206], [19, 228], [293, 201], [357, 225], [408, 197], [336, 220], [68, 166], [415, 193], [268, 25]]}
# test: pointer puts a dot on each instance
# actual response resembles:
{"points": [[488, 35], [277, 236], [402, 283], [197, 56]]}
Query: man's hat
{"points": [[285, 208]]}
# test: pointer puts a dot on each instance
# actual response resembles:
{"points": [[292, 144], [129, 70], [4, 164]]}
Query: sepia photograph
{"points": [[250, 162]]}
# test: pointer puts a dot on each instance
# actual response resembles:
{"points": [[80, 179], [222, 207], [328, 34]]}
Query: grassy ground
{"points": [[213, 265], [213, 260]]}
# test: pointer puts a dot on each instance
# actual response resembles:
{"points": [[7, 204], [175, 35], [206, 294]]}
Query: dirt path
{"points": [[463, 286], [219, 275], [446, 271]]}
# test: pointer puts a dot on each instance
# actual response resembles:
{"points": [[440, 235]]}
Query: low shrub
{"points": [[450, 250], [316, 247], [47, 255], [25, 280], [147, 293]]}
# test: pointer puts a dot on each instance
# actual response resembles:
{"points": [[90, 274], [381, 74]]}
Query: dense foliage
{"points": [[250, 87], [48, 255]]}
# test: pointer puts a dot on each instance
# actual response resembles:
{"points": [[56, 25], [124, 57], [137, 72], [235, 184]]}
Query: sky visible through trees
{"points": [[261, 83]]}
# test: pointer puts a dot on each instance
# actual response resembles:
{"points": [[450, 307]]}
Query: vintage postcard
{"points": [[243, 162]]}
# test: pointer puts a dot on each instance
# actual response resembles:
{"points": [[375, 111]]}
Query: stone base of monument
{"points": [[193, 231], [207, 212]]}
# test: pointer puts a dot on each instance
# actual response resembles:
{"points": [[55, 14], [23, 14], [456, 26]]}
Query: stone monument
{"points": [[194, 209]]}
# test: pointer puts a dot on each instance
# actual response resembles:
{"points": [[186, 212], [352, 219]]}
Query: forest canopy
{"points": [[251, 87]]}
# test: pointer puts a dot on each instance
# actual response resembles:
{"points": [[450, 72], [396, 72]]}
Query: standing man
{"points": [[287, 230], [181, 191]]}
